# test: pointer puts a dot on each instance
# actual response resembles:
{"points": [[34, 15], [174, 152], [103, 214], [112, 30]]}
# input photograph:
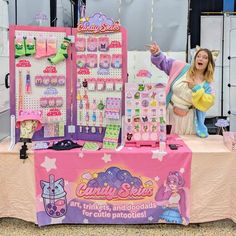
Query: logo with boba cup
{"points": [[54, 197]]}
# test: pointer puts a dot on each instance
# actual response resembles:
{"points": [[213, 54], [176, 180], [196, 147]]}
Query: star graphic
{"points": [[106, 158], [150, 218], [57, 220], [157, 178], [49, 163], [85, 221], [156, 154]]}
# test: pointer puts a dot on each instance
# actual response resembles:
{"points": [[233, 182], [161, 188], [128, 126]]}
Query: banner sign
{"points": [[130, 186]]}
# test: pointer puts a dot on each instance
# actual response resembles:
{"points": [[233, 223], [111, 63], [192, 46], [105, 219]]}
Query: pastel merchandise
{"points": [[19, 46], [113, 107], [62, 53], [53, 80], [61, 80], [51, 46], [145, 114], [100, 84], [110, 140], [41, 47], [30, 115], [43, 102], [40, 145], [46, 80], [109, 85], [28, 83], [103, 44], [51, 102], [58, 101], [118, 85], [80, 44], [92, 44], [38, 80], [81, 60], [116, 61], [30, 48], [91, 146], [105, 61], [92, 84], [28, 121], [55, 129], [92, 60], [51, 91]]}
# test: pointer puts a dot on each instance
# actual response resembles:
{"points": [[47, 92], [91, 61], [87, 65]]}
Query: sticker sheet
{"points": [[145, 112]]}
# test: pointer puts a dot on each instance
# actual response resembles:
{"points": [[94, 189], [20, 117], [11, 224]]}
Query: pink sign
{"points": [[23, 63], [127, 186], [50, 69], [98, 23]]}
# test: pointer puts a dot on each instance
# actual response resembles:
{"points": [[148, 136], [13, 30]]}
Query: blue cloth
{"points": [[201, 129]]}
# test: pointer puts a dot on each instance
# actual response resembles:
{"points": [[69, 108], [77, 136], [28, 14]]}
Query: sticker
{"points": [[104, 61], [80, 44], [92, 44]]}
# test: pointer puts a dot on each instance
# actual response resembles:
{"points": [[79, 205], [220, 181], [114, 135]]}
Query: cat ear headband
{"points": [[215, 53]]}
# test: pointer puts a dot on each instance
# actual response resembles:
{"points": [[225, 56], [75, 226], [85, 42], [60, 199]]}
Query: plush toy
{"points": [[19, 47], [41, 47], [30, 48], [62, 53]]}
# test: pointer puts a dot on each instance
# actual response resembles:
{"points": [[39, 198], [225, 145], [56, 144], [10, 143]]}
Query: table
{"points": [[213, 178]]}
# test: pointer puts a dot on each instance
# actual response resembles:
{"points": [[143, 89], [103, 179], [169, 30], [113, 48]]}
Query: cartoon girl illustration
{"points": [[171, 198]]}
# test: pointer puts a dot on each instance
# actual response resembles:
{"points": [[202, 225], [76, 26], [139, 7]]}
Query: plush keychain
{"points": [[29, 45], [62, 52], [51, 46], [19, 46], [28, 83], [40, 47]]}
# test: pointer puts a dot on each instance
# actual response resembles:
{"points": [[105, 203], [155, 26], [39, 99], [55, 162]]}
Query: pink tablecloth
{"points": [[212, 193], [127, 186]]}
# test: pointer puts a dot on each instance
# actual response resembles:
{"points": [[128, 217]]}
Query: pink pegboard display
{"points": [[35, 83], [101, 66]]}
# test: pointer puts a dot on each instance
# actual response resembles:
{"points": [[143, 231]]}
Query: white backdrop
{"points": [[4, 62], [164, 21], [212, 31], [26, 11]]}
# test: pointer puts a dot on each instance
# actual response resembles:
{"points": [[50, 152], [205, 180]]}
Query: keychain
{"points": [[28, 83]]}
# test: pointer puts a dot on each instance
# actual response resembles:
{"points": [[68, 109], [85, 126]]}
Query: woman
{"points": [[189, 90]]}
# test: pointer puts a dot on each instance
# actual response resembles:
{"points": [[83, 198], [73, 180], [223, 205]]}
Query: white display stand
{"points": [[4, 62]]}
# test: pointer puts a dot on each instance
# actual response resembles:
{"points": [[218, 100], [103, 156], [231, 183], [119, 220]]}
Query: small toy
{"points": [[19, 46], [29, 46], [28, 83], [62, 53]]}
